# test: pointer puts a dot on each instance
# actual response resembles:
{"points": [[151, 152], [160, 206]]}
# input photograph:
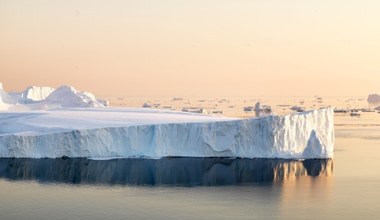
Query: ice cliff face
{"points": [[299, 136]]}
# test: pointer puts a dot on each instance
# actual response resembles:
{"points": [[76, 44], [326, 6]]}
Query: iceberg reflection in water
{"points": [[162, 172]]}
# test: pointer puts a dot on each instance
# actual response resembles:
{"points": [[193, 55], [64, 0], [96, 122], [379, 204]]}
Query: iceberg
{"points": [[151, 133], [36, 97], [67, 96], [373, 98]]}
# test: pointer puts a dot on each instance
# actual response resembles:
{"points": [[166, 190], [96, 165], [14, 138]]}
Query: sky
{"points": [[195, 48]]}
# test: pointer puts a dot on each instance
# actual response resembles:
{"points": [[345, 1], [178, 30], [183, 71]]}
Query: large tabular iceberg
{"points": [[133, 132]]}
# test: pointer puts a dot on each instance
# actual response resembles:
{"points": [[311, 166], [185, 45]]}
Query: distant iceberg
{"points": [[67, 96], [373, 98], [36, 97]]}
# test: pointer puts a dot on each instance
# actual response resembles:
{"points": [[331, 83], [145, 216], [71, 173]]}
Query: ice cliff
{"points": [[123, 132]]}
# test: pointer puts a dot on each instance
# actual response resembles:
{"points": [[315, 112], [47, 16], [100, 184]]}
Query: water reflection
{"points": [[166, 171]]}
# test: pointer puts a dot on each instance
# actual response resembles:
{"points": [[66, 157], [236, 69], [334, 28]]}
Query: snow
{"points": [[373, 98], [139, 132]]}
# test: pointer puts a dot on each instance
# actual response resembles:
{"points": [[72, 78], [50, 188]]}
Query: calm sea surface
{"points": [[347, 187]]}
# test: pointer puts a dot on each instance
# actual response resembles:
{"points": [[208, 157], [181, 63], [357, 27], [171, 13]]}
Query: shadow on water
{"points": [[162, 172]]}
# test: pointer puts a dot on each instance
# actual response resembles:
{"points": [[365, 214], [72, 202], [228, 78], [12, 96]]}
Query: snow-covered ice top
{"points": [[42, 122]]}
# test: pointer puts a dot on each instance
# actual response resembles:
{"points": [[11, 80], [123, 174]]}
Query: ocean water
{"points": [[347, 187]]}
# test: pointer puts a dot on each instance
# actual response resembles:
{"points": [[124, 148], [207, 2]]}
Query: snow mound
{"points": [[123, 132], [67, 96], [373, 98]]}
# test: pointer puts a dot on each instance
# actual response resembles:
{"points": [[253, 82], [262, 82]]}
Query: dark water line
{"points": [[162, 172]]}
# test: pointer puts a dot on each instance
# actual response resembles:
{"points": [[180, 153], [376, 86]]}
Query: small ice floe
{"points": [[340, 110], [166, 107], [217, 112], [193, 110], [248, 109], [367, 110], [177, 99], [355, 114], [146, 105], [297, 109]]}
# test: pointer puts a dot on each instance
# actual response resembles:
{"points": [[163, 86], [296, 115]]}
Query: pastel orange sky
{"points": [[192, 48]]}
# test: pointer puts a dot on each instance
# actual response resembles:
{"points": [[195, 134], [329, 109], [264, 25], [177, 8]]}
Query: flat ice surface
{"points": [[42, 122], [136, 132]]}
